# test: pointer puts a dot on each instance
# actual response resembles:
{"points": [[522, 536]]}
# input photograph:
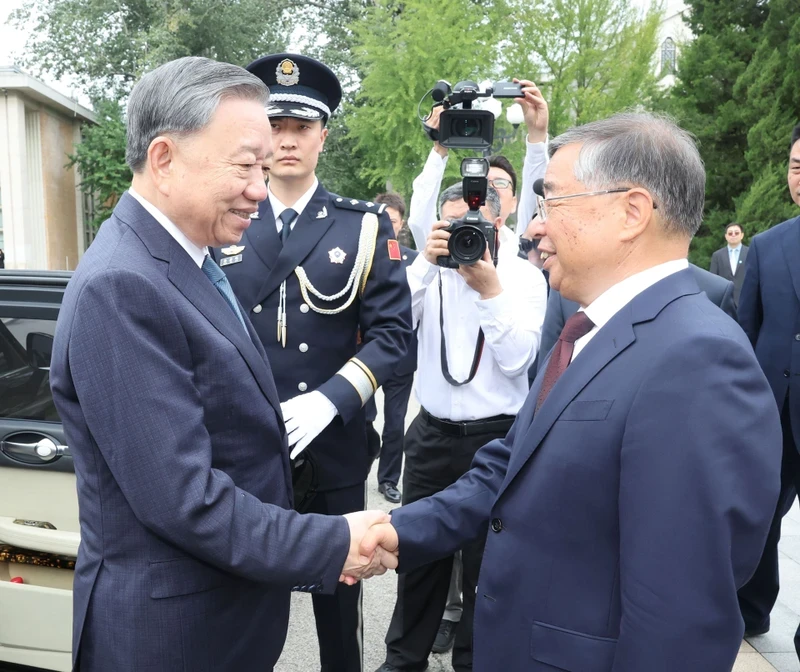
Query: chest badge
{"points": [[322, 214], [233, 250], [337, 255]]}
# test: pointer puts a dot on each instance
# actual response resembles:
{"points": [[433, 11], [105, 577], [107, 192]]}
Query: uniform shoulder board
{"points": [[358, 206]]}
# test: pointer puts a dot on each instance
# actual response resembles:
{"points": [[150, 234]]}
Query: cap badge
{"points": [[287, 73], [337, 255]]}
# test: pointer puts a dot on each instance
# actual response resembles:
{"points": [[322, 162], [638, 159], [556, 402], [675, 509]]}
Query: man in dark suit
{"points": [[631, 497], [396, 390], [559, 309], [317, 274], [729, 261], [189, 549], [769, 312]]}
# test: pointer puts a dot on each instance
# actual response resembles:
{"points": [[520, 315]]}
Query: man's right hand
{"points": [[433, 122], [436, 245], [381, 537]]}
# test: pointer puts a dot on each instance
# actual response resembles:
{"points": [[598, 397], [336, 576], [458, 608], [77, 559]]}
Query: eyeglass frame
{"points": [[541, 208], [504, 179]]}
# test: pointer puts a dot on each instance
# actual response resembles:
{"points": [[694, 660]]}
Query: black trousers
{"points": [[758, 595], [396, 393], [434, 460], [338, 616]]}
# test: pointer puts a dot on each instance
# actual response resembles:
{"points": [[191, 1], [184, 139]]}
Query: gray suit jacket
{"points": [[560, 309], [721, 266], [189, 549]]}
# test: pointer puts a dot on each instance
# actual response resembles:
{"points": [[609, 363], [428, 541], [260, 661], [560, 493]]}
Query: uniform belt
{"points": [[495, 425]]}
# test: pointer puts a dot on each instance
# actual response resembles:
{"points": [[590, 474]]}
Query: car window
{"points": [[25, 376]]}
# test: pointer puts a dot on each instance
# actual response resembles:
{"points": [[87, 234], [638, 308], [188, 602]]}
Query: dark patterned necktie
{"points": [[576, 327], [286, 218], [223, 285]]}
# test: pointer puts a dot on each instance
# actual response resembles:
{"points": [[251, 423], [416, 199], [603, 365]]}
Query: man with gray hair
{"points": [[478, 329], [633, 494], [189, 547]]}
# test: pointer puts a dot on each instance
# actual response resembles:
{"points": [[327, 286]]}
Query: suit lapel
{"points": [[307, 232], [193, 284], [791, 252], [612, 339]]}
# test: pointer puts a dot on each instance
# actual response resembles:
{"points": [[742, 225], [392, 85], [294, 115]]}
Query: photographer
{"points": [[479, 331], [501, 174]]}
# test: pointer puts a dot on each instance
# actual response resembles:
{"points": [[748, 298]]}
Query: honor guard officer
{"points": [[313, 269]]}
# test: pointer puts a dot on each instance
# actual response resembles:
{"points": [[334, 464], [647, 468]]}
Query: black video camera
{"points": [[466, 128], [473, 233]]}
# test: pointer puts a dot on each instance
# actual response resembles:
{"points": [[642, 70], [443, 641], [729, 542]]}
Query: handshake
{"points": [[373, 546]]}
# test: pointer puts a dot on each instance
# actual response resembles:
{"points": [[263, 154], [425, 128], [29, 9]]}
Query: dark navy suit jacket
{"points": [[769, 311], [188, 550], [625, 513], [318, 345], [721, 266]]}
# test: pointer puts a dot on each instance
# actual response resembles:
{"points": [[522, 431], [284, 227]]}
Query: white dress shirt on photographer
{"points": [[512, 326]]}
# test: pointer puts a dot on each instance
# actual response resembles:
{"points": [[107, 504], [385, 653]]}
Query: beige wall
{"points": [[60, 192]]}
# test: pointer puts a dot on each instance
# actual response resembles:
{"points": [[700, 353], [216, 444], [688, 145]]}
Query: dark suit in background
{"points": [[560, 309], [721, 266], [769, 313], [189, 549]]}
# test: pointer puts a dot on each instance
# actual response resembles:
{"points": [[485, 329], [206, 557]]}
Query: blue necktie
{"points": [[286, 218], [223, 285]]}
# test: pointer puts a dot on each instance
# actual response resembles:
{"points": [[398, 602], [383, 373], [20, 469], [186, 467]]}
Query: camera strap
{"points": [[476, 358]]}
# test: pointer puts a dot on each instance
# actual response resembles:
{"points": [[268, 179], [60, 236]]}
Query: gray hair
{"points": [[455, 192], [180, 97], [643, 150]]}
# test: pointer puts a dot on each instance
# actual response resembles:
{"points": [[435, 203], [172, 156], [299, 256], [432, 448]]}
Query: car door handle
{"points": [[45, 449]]}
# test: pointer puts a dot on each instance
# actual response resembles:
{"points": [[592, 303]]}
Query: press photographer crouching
{"points": [[479, 331]]}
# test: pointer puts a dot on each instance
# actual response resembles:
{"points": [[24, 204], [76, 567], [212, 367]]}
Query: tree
{"points": [[106, 45]]}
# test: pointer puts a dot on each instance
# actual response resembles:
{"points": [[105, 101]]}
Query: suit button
{"points": [[257, 309], [797, 337], [497, 524], [786, 373], [303, 307], [302, 387], [302, 347]]}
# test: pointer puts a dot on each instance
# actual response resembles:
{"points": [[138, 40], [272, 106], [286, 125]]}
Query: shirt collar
{"points": [[610, 302], [738, 247], [298, 207], [198, 254]]}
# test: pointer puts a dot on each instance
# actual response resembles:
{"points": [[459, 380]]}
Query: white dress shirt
{"points": [[512, 325], [615, 298], [733, 257], [198, 254], [298, 207]]}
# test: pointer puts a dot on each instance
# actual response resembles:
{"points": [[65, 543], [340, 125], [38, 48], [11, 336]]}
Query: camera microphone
{"points": [[538, 187]]}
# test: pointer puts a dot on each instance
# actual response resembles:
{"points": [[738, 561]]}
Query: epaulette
{"points": [[358, 206]]}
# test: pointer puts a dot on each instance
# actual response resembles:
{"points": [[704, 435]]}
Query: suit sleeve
{"points": [[714, 268], [148, 423], [385, 324], [435, 527], [750, 311], [727, 303], [696, 498]]}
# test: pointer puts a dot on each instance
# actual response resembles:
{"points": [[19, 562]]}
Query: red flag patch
{"points": [[394, 250]]}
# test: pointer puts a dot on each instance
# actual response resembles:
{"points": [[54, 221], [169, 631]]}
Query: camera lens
{"points": [[466, 127], [466, 245]]}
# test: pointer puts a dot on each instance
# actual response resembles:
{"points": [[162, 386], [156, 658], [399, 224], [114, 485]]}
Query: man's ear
{"points": [[161, 162], [639, 213]]}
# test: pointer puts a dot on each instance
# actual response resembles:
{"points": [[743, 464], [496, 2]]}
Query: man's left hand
{"points": [[306, 415], [482, 277], [535, 110]]}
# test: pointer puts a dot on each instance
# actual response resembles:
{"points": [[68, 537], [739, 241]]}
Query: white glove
{"points": [[305, 416]]}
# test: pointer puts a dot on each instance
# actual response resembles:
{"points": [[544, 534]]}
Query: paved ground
{"points": [[769, 653]]}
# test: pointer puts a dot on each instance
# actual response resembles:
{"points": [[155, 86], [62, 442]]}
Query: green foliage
{"points": [[106, 45], [101, 160]]}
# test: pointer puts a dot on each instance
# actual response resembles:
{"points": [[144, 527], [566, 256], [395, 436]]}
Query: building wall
{"points": [[60, 192]]}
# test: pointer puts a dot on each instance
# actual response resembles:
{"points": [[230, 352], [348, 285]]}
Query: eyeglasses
{"points": [[733, 233], [542, 202], [500, 183]]}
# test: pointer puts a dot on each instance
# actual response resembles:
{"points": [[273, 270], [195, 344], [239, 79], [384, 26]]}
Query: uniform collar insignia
{"points": [[233, 249], [322, 214]]}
